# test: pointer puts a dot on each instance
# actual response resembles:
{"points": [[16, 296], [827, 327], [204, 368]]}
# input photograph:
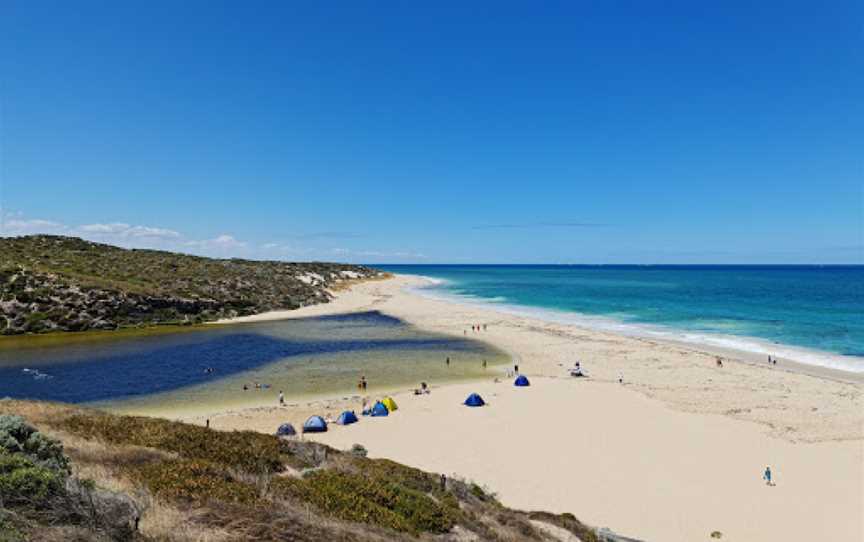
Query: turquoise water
{"points": [[814, 314]]}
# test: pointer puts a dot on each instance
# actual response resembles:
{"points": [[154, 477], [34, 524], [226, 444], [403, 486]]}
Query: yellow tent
{"points": [[390, 404]]}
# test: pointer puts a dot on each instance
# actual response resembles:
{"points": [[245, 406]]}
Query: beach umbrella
{"points": [[315, 424], [474, 400], [521, 380], [347, 418]]}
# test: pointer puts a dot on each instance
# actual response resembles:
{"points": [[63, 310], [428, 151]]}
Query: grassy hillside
{"points": [[50, 283], [153, 479]]}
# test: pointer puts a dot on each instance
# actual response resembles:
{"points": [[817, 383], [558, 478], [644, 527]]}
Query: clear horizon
{"points": [[498, 133]]}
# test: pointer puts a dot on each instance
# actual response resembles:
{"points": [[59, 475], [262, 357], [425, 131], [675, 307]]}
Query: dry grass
{"points": [[163, 521]]}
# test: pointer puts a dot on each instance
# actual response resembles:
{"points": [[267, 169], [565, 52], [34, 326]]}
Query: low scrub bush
{"points": [[194, 481], [18, 436], [246, 451], [366, 499], [22, 482]]}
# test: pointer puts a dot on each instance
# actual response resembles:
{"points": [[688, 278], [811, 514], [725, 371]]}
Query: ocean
{"points": [[810, 314]]}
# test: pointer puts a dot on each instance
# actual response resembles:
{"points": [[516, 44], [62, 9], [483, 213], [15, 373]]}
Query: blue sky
{"points": [[573, 132]]}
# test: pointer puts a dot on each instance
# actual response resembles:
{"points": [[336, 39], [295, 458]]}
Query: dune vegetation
{"points": [[55, 283], [154, 479]]}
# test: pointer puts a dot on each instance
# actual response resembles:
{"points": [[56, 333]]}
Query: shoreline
{"points": [[680, 375], [659, 334], [678, 447], [353, 303]]}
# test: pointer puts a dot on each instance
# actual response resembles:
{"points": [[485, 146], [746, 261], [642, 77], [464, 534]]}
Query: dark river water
{"points": [[302, 357]]}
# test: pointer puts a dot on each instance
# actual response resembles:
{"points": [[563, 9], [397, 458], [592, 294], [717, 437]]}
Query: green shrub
{"points": [[194, 481], [369, 499], [17, 436], [24, 482], [400, 474], [247, 451]]}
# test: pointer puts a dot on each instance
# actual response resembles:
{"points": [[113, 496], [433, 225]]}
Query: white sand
{"points": [[675, 453]]}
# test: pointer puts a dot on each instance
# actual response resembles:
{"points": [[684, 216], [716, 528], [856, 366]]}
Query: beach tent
{"points": [[315, 424], [347, 418], [474, 400], [521, 380], [380, 409], [390, 404], [286, 430]]}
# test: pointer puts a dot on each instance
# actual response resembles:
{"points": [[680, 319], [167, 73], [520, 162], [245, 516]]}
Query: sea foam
{"points": [[434, 288]]}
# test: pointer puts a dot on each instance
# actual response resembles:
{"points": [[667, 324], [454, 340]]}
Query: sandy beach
{"points": [[676, 452]]}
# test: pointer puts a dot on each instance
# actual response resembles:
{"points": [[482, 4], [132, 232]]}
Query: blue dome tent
{"points": [[474, 400], [380, 409], [347, 418], [315, 424], [521, 380], [286, 430]]}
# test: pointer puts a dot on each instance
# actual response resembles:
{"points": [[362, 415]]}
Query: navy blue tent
{"points": [[347, 418], [380, 409], [474, 400], [315, 424], [286, 430], [521, 380]]}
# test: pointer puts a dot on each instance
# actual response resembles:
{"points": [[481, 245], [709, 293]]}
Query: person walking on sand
{"points": [[620, 378], [767, 476], [281, 398]]}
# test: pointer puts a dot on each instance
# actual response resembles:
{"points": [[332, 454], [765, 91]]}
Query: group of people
{"points": [[475, 328], [257, 386], [772, 361]]}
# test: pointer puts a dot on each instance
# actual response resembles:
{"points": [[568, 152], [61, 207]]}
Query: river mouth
{"points": [[243, 365]]}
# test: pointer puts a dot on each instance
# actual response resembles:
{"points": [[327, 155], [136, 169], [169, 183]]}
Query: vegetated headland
{"points": [[55, 283]]}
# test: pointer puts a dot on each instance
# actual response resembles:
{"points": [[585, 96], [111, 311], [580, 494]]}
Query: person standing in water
{"points": [[447, 361], [484, 363]]}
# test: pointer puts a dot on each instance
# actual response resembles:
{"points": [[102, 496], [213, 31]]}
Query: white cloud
{"points": [[127, 231], [399, 255], [123, 234], [223, 243], [10, 227], [222, 246]]}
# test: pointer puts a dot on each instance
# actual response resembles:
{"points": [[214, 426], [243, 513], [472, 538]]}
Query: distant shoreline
{"points": [[735, 354], [349, 303]]}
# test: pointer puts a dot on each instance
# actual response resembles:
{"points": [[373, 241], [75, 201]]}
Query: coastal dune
{"points": [[676, 452]]}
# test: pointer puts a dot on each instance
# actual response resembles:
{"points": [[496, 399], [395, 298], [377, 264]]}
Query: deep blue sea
{"points": [[812, 314]]}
